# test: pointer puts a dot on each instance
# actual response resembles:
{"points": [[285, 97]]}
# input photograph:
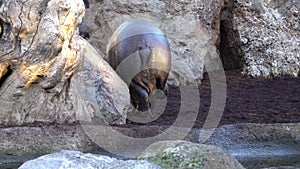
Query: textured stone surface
{"points": [[18, 141], [269, 35], [78, 160], [182, 154], [51, 75], [192, 28]]}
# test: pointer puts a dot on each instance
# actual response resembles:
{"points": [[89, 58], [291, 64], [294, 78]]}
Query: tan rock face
{"points": [[37, 29], [48, 73], [269, 36], [192, 28], [261, 37]]}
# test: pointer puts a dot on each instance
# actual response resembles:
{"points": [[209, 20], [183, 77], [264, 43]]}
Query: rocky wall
{"points": [[261, 38], [264, 36], [192, 28]]}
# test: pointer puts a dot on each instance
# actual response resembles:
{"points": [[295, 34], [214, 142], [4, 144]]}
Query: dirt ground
{"points": [[249, 100]]}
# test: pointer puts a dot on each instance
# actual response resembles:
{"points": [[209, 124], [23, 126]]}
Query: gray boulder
{"points": [[78, 160], [187, 155]]}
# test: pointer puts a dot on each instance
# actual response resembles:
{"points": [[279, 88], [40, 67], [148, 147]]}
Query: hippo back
{"points": [[136, 36]]}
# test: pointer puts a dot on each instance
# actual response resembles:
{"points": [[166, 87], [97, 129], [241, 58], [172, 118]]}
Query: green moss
{"points": [[172, 158], [165, 160], [192, 161]]}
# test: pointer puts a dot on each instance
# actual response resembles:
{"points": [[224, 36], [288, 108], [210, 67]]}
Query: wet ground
{"points": [[249, 100]]}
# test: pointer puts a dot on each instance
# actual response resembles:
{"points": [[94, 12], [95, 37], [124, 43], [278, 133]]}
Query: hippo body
{"points": [[140, 53]]}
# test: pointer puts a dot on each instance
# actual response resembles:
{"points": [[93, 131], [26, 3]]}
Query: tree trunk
{"points": [[48, 73]]}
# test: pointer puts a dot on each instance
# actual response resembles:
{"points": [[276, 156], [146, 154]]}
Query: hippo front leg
{"points": [[141, 102], [139, 96], [161, 84]]}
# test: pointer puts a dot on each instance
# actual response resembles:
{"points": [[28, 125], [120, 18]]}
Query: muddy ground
{"points": [[249, 100]]}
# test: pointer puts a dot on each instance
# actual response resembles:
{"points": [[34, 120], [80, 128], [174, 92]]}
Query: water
{"points": [[9, 161], [271, 161], [10, 166], [268, 156]]}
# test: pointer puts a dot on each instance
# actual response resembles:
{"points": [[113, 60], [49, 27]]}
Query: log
{"points": [[48, 73]]}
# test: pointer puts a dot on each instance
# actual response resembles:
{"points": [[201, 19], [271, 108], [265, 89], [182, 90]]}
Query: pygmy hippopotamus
{"points": [[140, 53]]}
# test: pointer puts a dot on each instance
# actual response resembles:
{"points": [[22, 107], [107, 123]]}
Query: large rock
{"points": [[31, 141], [184, 155], [191, 27], [267, 33], [48, 73], [78, 160]]}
